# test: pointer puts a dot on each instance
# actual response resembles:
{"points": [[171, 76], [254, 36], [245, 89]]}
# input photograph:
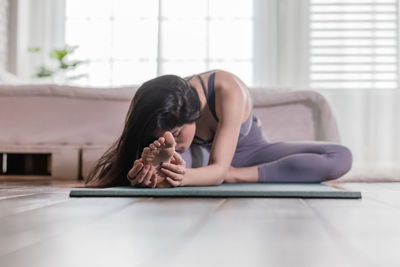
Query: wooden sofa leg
{"points": [[65, 163]]}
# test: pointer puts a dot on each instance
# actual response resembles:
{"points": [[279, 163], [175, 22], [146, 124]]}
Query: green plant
{"points": [[60, 55]]}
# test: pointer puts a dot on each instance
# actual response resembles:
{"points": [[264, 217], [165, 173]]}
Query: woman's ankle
{"points": [[242, 175], [230, 177]]}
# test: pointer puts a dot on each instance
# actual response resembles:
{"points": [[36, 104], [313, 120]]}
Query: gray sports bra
{"points": [[210, 97]]}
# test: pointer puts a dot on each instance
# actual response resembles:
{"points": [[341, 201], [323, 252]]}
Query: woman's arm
{"points": [[231, 98]]}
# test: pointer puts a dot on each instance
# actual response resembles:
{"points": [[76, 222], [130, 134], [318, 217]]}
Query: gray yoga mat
{"points": [[296, 190]]}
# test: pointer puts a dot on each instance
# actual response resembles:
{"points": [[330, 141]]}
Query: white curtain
{"points": [[368, 120], [369, 125], [3, 33], [37, 23]]}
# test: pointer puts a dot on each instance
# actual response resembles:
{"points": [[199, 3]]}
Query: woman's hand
{"points": [[175, 171], [142, 175]]}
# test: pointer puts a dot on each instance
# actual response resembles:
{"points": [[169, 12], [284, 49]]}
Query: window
{"points": [[353, 44], [126, 42]]}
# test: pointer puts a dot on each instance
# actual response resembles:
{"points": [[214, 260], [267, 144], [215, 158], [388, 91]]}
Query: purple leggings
{"points": [[296, 161]]}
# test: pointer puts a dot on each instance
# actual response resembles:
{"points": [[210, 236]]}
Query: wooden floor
{"points": [[41, 226]]}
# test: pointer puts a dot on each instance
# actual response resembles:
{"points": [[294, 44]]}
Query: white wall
{"points": [[3, 33]]}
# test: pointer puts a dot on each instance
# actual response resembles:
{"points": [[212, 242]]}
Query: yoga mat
{"points": [[295, 190]]}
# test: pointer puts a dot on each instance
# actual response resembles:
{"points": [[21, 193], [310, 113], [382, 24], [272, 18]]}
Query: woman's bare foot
{"points": [[158, 152]]}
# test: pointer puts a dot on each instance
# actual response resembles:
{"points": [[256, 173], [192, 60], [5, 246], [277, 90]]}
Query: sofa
{"points": [[73, 126]]}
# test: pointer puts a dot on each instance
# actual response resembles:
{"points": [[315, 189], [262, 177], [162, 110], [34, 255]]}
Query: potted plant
{"points": [[59, 73]]}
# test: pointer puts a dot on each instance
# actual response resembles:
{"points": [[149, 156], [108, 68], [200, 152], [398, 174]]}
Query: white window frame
{"points": [[280, 45], [370, 77]]}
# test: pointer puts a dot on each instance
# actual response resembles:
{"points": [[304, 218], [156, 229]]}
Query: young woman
{"points": [[201, 130]]}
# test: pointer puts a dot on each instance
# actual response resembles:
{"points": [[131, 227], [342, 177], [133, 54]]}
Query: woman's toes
{"points": [[160, 150], [169, 139], [146, 154]]}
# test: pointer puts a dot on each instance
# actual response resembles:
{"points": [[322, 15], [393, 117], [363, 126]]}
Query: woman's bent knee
{"points": [[342, 163]]}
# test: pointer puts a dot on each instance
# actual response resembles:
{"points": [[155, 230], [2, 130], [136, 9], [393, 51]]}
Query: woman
{"points": [[206, 121]]}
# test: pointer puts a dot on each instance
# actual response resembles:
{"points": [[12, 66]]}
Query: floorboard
{"points": [[41, 226]]}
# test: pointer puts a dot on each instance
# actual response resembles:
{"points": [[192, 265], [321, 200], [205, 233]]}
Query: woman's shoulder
{"points": [[221, 76], [216, 72], [223, 80], [228, 82]]}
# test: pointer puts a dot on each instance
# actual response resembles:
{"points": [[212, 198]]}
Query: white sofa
{"points": [[75, 125]]}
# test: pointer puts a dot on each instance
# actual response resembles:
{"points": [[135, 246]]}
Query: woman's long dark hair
{"points": [[162, 103]]}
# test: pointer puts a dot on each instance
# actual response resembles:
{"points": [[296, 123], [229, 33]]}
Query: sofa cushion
{"points": [[58, 115], [91, 119], [53, 114]]}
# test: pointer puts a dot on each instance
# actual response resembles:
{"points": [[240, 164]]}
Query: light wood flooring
{"points": [[41, 226]]}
